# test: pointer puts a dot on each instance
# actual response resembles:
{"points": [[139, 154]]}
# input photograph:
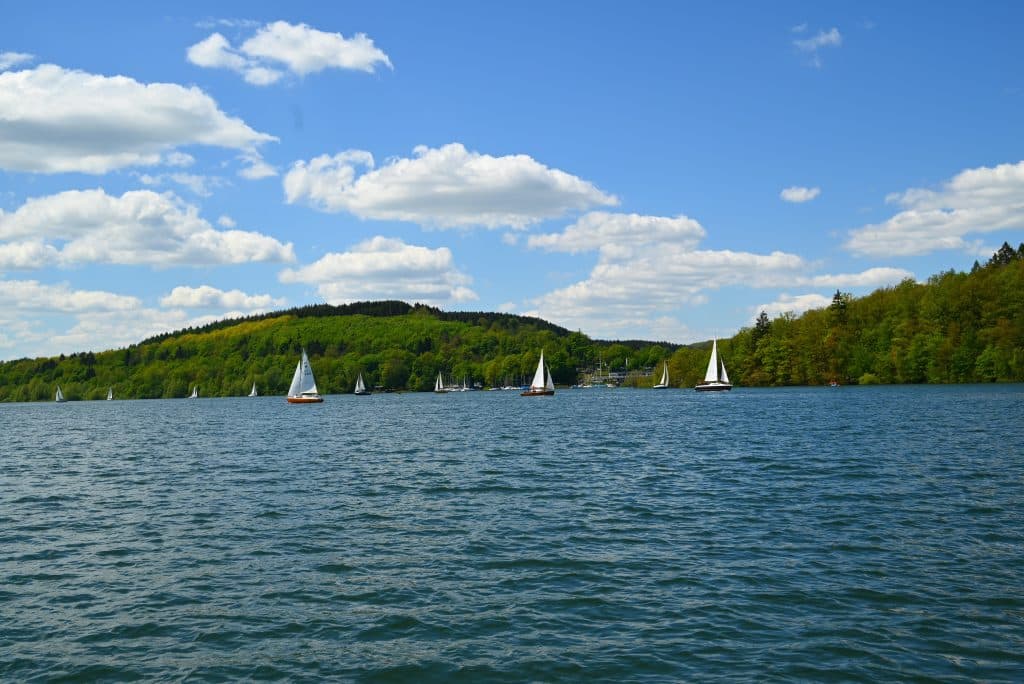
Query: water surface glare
{"points": [[870, 534]]}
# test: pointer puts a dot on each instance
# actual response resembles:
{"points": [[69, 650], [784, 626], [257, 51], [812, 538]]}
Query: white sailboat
{"points": [[439, 387], [303, 388], [542, 384], [59, 398], [110, 394], [253, 393], [361, 387], [195, 393], [664, 378], [715, 379]]}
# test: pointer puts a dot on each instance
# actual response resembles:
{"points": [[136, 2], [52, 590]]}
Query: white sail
{"points": [[712, 373], [439, 384], [293, 389], [360, 387], [725, 376], [539, 381], [550, 384], [195, 392], [60, 395], [664, 375], [110, 393], [253, 392], [304, 375]]}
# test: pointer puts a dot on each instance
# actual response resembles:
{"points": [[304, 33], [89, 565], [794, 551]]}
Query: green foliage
{"points": [[394, 345], [957, 327]]}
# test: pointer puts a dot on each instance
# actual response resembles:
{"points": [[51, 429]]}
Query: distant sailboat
{"points": [[542, 385], [439, 387], [715, 379], [110, 394], [361, 387], [195, 393], [59, 398], [664, 378], [253, 393], [303, 388]]}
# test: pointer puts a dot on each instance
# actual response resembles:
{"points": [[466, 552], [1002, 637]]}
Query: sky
{"points": [[654, 170]]}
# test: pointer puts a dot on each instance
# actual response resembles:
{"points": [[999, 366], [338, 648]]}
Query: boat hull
{"points": [[364, 393], [538, 393], [713, 387], [305, 400], [660, 387]]}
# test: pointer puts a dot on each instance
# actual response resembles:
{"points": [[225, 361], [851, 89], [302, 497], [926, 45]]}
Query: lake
{"points": [[858, 533]]}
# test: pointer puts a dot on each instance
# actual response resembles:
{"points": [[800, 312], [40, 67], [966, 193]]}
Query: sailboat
{"points": [[664, 378], [542, 385], [195, 393], [361, 387], [59, 398], [303, 388], [253, 393], [715, 379], [110, 394], [439, 387]]}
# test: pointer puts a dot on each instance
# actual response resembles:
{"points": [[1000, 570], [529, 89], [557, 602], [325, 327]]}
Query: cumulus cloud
{"points": [[608, 232], [386, 268], [10, 59], [207, 297], [31, 295], [974, 202], [446, 187], [139, 227], [794, 304], [649, 268], [297, 48], [798, 194], [55, 120], [198, 184], [822, 39]]}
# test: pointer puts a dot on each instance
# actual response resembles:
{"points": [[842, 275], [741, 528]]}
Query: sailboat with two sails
{"points": [[110, 394], [715, 378], [542, 384], [59, 397], [361, 390], [253, 393], [664, 378], [303, 388]]}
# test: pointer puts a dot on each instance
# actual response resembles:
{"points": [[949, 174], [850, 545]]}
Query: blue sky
{"points": [[654, 170]]}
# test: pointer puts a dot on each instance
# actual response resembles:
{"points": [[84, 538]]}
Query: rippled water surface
{"points": [[617, 535]]}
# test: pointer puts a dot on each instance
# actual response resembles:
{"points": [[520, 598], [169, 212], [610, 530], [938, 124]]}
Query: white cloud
{"points": [[56, 120], [799, 28], [299, 48], [649, 268], [606, 231], [28, 254], [140, 227], [226, 222], [385, 268], [257, 168], [31, 295], [10, 59], [872, 277], [446, 187], [794, 304], [798, 194], [207, 297], [200, 185], [975, 201], [822, 39]]}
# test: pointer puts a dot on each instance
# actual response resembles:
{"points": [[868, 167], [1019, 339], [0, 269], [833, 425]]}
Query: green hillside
{"points": [[394, 345], [957, 327]]}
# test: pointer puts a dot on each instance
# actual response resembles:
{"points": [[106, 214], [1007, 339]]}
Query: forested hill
{"points": [[393, 344], [957, 327]]}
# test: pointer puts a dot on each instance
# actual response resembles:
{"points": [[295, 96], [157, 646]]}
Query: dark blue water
{"points": [[617, 535]]}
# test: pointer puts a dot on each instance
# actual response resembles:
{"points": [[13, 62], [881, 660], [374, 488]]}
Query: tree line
{"points": [[956, 327]]}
